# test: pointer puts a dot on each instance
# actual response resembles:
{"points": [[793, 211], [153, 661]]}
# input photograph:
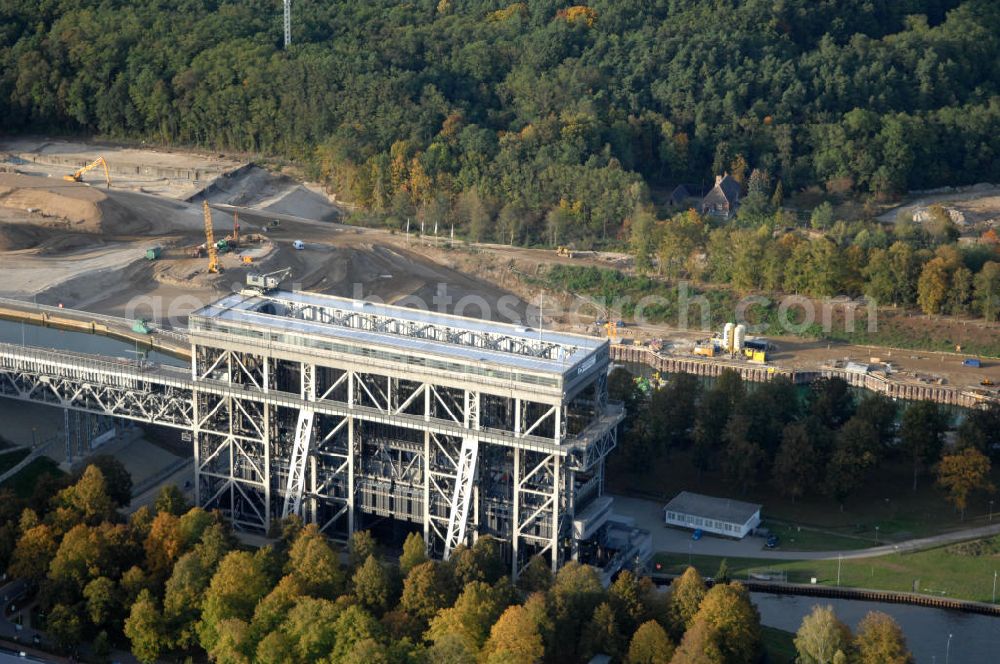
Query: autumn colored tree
{"points": [[729, 612], [353, 626], [680, 238], [426, 590], [686, 594], [932, 287], [514, 639], [271, 611], [184, 591], [880, 640], [65, 626], [311, 627], [163, 545], [374, 586], [144, 629], [85, 501], [575, 594], [962, 473], [171, 500], [316, 565], [602, 635], [233, 645], [535, 576], [650, 645], [34, 551], [117, 480], [414, 553], [361, 546], [474, 613], [481, 562], [701, 644], [628, 596], [986, 290], [642, 238], [104, 606], [240, 581], [821, 637]]}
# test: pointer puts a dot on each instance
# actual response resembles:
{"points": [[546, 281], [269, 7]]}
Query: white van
{"points": [[299, 244]]}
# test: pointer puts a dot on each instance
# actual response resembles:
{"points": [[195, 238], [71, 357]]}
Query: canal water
{"points": [[975, 638], [46, 337]]}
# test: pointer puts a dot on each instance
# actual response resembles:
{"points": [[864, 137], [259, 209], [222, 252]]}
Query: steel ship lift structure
{"points": [[347, 412]]}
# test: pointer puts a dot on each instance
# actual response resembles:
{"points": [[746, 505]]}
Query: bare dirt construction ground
{"points": [[978, 206], [83, 244]]}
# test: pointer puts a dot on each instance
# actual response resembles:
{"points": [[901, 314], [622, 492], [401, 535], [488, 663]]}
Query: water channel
{"points": [[975, 639], [14, 332]]}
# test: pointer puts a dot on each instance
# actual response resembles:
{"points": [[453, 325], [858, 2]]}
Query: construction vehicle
{"points": [[261, 283], [754, 350], [706, 349], [231, 241], [153, 253], [986, 382], [247, 260], [611, 328], [78, 176], [564, 251], [213, 255]]}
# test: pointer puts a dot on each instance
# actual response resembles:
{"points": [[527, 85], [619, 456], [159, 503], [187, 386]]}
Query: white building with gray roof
{"points": [[722, 516]]}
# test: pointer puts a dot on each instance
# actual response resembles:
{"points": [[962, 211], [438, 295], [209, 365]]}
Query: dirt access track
{"points": [[83, 244]]}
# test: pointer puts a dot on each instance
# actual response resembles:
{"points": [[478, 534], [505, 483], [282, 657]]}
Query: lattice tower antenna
{"points": [[288, 23]]}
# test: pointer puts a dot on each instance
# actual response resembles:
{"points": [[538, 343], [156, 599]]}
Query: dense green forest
{"points": [[171, 583], [527, 121], [826, 445]]}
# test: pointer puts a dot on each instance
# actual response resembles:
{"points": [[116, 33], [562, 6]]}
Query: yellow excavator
{"points": [[213, 253], [78, 176]]}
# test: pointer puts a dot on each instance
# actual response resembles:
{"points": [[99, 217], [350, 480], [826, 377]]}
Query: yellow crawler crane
{"points": [[78, 176], [213, 253]]}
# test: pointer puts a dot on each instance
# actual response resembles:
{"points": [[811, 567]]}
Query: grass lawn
{"points": [[8, 461], [23, 483], [962, 571], [887, 501], [778, 645], [798, 538]]}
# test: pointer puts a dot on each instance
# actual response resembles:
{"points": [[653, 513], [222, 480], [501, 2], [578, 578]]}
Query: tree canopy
{"points": [[528, 105]]}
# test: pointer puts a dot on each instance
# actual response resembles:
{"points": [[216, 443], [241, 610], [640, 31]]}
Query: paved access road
{"points": [[648, 514]]}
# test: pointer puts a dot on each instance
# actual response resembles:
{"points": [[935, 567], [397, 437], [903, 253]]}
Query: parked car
{"points": [[772, 541], [696, 535]]}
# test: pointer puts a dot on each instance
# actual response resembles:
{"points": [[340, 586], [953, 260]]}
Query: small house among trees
{"points": [[724, 198]]}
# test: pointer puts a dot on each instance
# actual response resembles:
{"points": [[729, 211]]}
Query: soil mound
{"points": [[86, 209], [14, 237]]}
